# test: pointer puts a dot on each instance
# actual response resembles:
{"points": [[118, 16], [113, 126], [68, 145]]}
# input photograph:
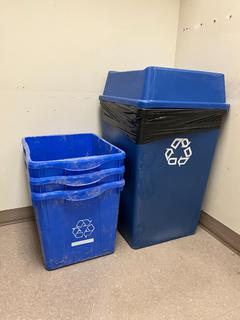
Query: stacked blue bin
{"points": [[75, 182], [168, 122]]}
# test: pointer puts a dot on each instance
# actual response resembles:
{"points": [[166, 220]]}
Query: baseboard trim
{"points": [[227, 236], [16, 215]]}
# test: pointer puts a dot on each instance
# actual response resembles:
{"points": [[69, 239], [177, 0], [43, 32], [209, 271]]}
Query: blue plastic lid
{"points": [[156, 87]]}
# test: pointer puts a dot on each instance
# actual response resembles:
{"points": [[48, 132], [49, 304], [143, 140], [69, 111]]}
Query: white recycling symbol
{"points": [[83, 229], [182, 143]]}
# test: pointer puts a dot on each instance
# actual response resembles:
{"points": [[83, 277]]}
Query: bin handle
{"points": [[76, 164], [76, 180], [79, 195]]}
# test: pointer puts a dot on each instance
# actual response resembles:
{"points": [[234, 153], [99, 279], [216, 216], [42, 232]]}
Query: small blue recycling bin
{"points": [[167, 121], [77, 225], [75, 182], [62, 155]]}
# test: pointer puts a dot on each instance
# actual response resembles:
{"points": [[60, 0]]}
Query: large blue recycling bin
{"points": [[77, 225], [163, 194]]}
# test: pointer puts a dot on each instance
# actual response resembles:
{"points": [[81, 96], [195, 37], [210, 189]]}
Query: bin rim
{"points": [[158, 104], [73, 180]]}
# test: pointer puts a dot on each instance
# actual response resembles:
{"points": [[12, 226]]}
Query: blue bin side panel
{"points": [[185, 85], [161, 202], [57, 221], [122, 84]]}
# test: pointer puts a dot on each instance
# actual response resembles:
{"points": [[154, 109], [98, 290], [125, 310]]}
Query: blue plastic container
{"points": [[163, 194], [77, 225], [60, 155], [76, 182]]}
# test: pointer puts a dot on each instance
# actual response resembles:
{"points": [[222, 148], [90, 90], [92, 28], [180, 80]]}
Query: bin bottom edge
{"points": [[51, 267]]}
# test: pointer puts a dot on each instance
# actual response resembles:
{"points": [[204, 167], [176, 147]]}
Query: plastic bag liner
{"points": [[147, 125]]}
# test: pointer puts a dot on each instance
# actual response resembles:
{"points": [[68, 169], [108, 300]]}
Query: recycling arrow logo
{"points": [[184, 145], [83, 229]]}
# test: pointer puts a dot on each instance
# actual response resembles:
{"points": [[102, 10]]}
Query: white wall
{"points": [[54, 57], [216, 47]]}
